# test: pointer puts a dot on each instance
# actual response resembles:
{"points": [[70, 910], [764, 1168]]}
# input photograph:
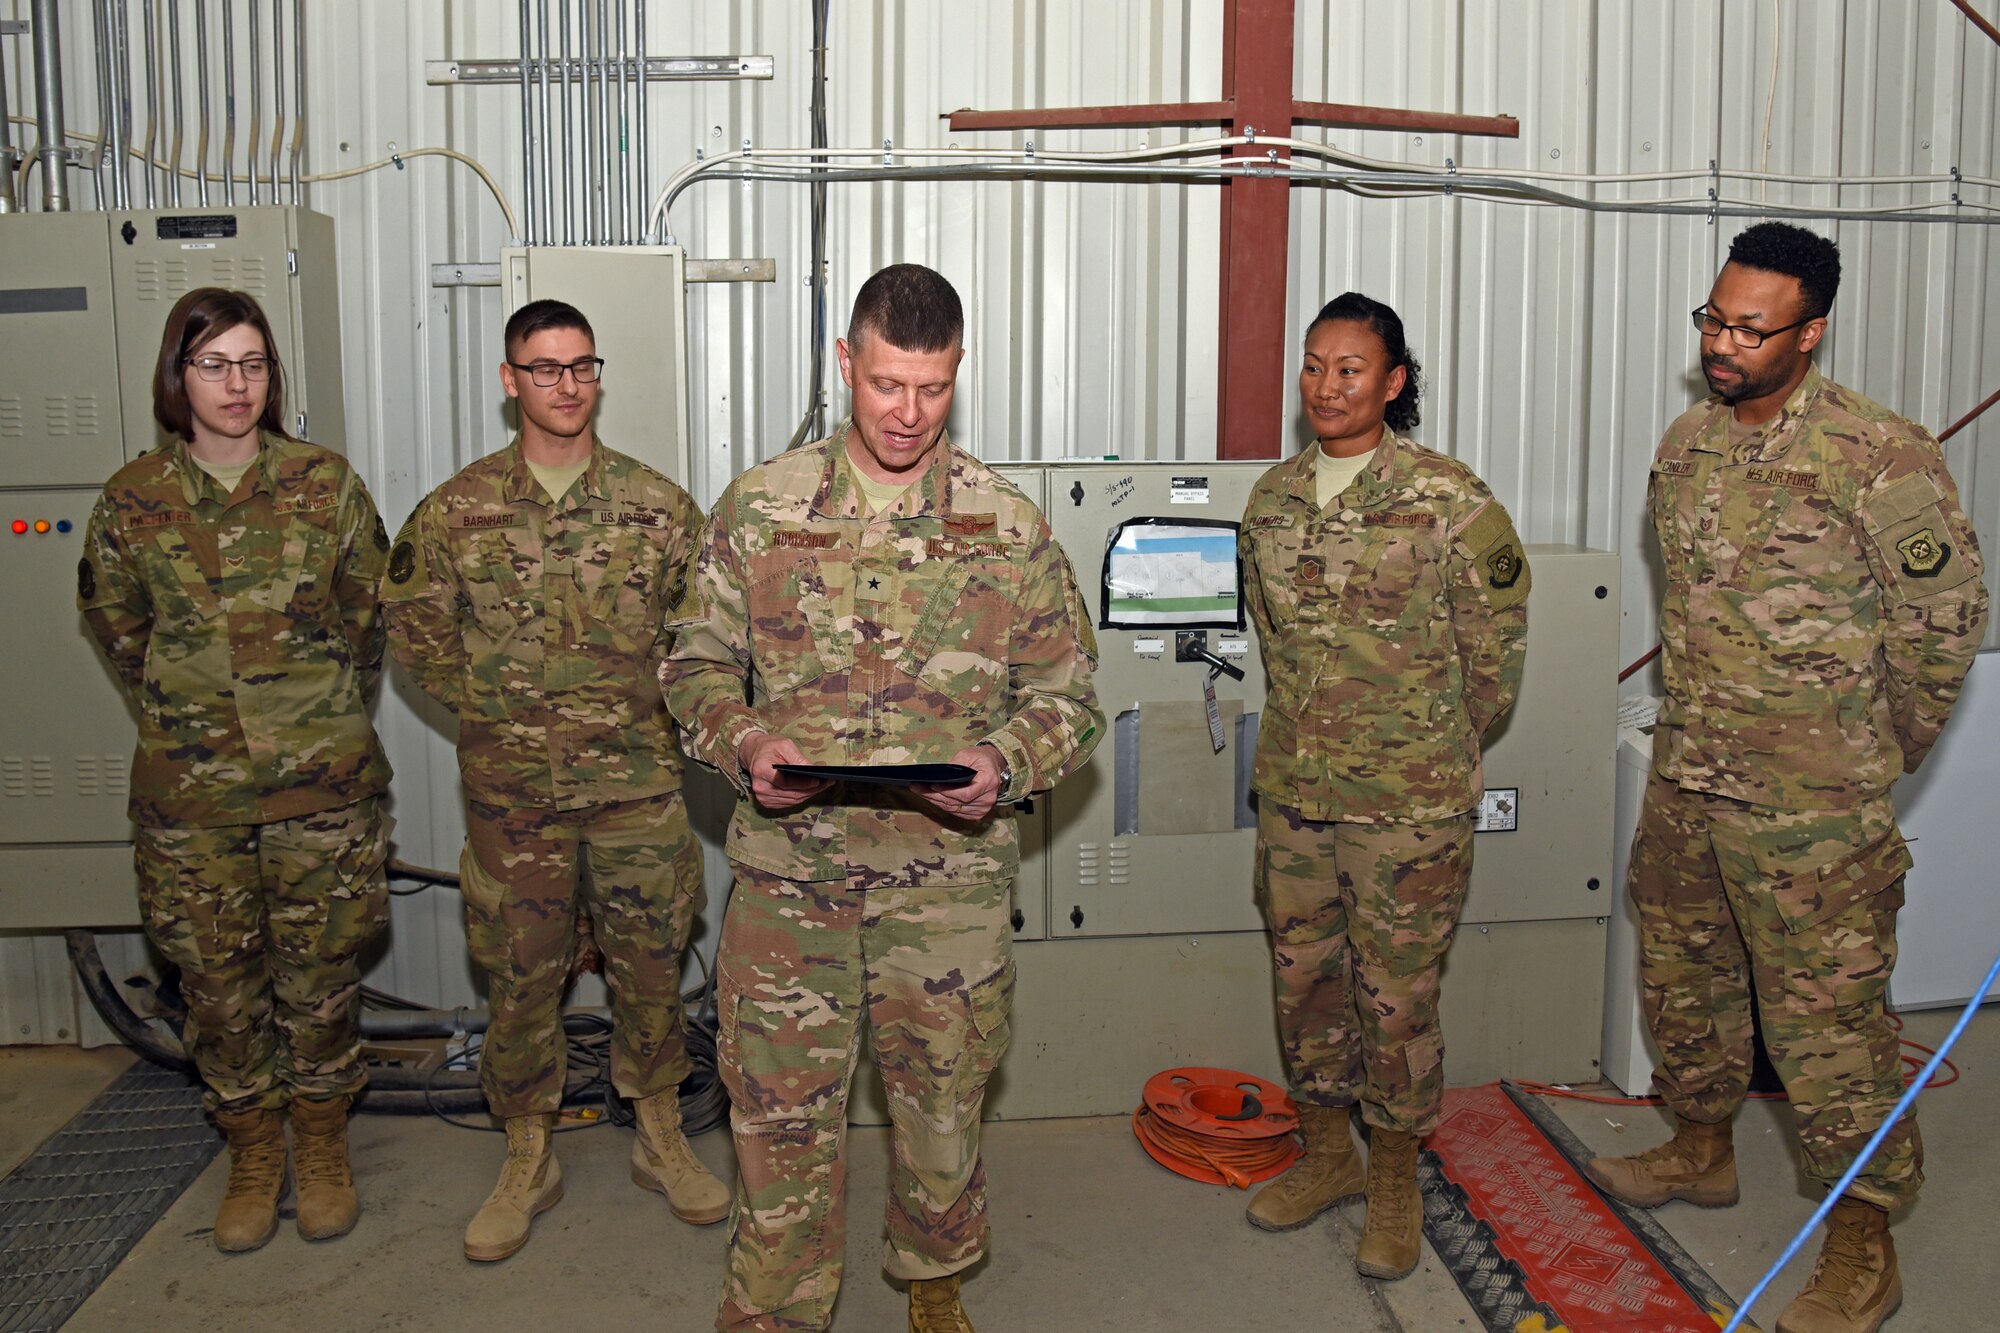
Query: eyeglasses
{"points": [[1743, 335], [548, 374], [217, 367]]}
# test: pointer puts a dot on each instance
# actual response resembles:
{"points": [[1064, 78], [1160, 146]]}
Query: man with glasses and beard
{"points": [[1823, 604], [527, 595]]}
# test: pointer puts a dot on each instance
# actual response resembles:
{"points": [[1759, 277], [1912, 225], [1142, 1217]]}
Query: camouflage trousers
{"points": [[1802, 905], [803, 968], [267, 923], [1360, 918], [631, 872]]}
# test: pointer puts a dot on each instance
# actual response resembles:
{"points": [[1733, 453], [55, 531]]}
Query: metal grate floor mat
{"points": [[70, 1212]]}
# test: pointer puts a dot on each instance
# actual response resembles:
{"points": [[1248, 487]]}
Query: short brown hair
{"points": [[541, 316], [910, 307], [197, 319]]}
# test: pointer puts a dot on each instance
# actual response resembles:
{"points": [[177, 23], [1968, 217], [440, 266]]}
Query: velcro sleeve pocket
{"points": [[1493, 549], [1919, 551]]}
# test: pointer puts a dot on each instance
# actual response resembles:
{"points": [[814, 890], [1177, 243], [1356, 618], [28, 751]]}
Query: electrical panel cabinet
{"points": [[1152, 953], [635, 297]]}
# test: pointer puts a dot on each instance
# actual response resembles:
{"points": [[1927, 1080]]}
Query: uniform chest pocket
{"points": [[308, 562], [1795, 546], [1392, 583], [1273, 549], [179, 587], [788, 608], [498, 596], [959, 643], [620, 575]]}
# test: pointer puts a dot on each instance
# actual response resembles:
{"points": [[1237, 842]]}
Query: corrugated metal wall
{"points": [[1556, 341]]}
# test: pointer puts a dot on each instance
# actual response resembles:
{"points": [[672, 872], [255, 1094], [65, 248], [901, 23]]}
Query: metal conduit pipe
{"points": [[101, 50], [298, 100], [201, 102], [585, 164], [151, 35], [52, 150], [123, 177], [277, 95], [543, 200], [569, 162], [527, 133], [173, 29], [256, 104], [121, 119], [644, 191], [626, 185], [606, 166], [229, 103], [8, 159]]}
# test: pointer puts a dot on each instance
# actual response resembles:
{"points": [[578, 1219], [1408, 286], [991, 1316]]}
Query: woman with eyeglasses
{"points": [[1389, 592], [230, 578]]}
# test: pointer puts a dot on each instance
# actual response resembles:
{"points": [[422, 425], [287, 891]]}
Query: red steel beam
{"points": [[1136, 117], [1348, 116], [1252, 359]]}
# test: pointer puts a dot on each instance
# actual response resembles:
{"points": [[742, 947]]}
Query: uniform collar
{"points": [[196, 484], [1382, 475], [839, 497], [522, 484], [1771, 440]]}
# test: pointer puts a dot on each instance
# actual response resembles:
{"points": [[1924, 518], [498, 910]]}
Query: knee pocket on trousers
{"points": [[485, 933], [184, 920], [357, 909], [1424, 1055], [986, 1031]]}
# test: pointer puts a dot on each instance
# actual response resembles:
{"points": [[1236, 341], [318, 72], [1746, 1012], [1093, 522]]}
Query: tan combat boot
{"points": [[1393, 1238], [1856, 1283], [663, 1162], [530, 1184], [248, 1216], [328, 1205], [934, 1306], [1328, 1173], [1697, 1164]]}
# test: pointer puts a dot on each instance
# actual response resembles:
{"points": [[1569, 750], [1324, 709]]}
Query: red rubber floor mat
{"points": [[1534, 1246]]}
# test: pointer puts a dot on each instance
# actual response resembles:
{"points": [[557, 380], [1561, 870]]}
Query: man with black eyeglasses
{"points": [[527, 595], [1824, 601]]}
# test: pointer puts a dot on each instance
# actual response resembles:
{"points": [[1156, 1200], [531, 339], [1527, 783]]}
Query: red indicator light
{"points": [[20, 526]]}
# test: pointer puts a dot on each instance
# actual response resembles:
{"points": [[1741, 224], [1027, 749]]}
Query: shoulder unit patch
{"points": [[1923, 554], [402, 563]]}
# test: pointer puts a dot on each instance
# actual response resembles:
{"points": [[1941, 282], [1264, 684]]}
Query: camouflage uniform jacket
{"points": [[1394, 627], [245, 628], [541, 624], [950, 619], [1823, 600]]}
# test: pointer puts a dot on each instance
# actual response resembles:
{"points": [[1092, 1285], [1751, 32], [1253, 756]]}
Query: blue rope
{"points": [[1868, 1150]]}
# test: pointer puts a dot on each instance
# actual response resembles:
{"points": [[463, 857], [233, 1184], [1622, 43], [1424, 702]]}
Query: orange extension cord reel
{"points": [[1218, 1126]]}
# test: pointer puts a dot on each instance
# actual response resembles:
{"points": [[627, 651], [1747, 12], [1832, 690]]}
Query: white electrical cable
{"points": [[403, 155], [1126, 164]]}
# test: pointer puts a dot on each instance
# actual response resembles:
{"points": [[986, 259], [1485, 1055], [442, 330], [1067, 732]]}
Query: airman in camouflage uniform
{"points": [[1392, 617], [1823, 605], [243, 622], [943, 624], [537, 619]]}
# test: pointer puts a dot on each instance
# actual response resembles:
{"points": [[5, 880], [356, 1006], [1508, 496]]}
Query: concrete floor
{"points": [[1089, 1234]]}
